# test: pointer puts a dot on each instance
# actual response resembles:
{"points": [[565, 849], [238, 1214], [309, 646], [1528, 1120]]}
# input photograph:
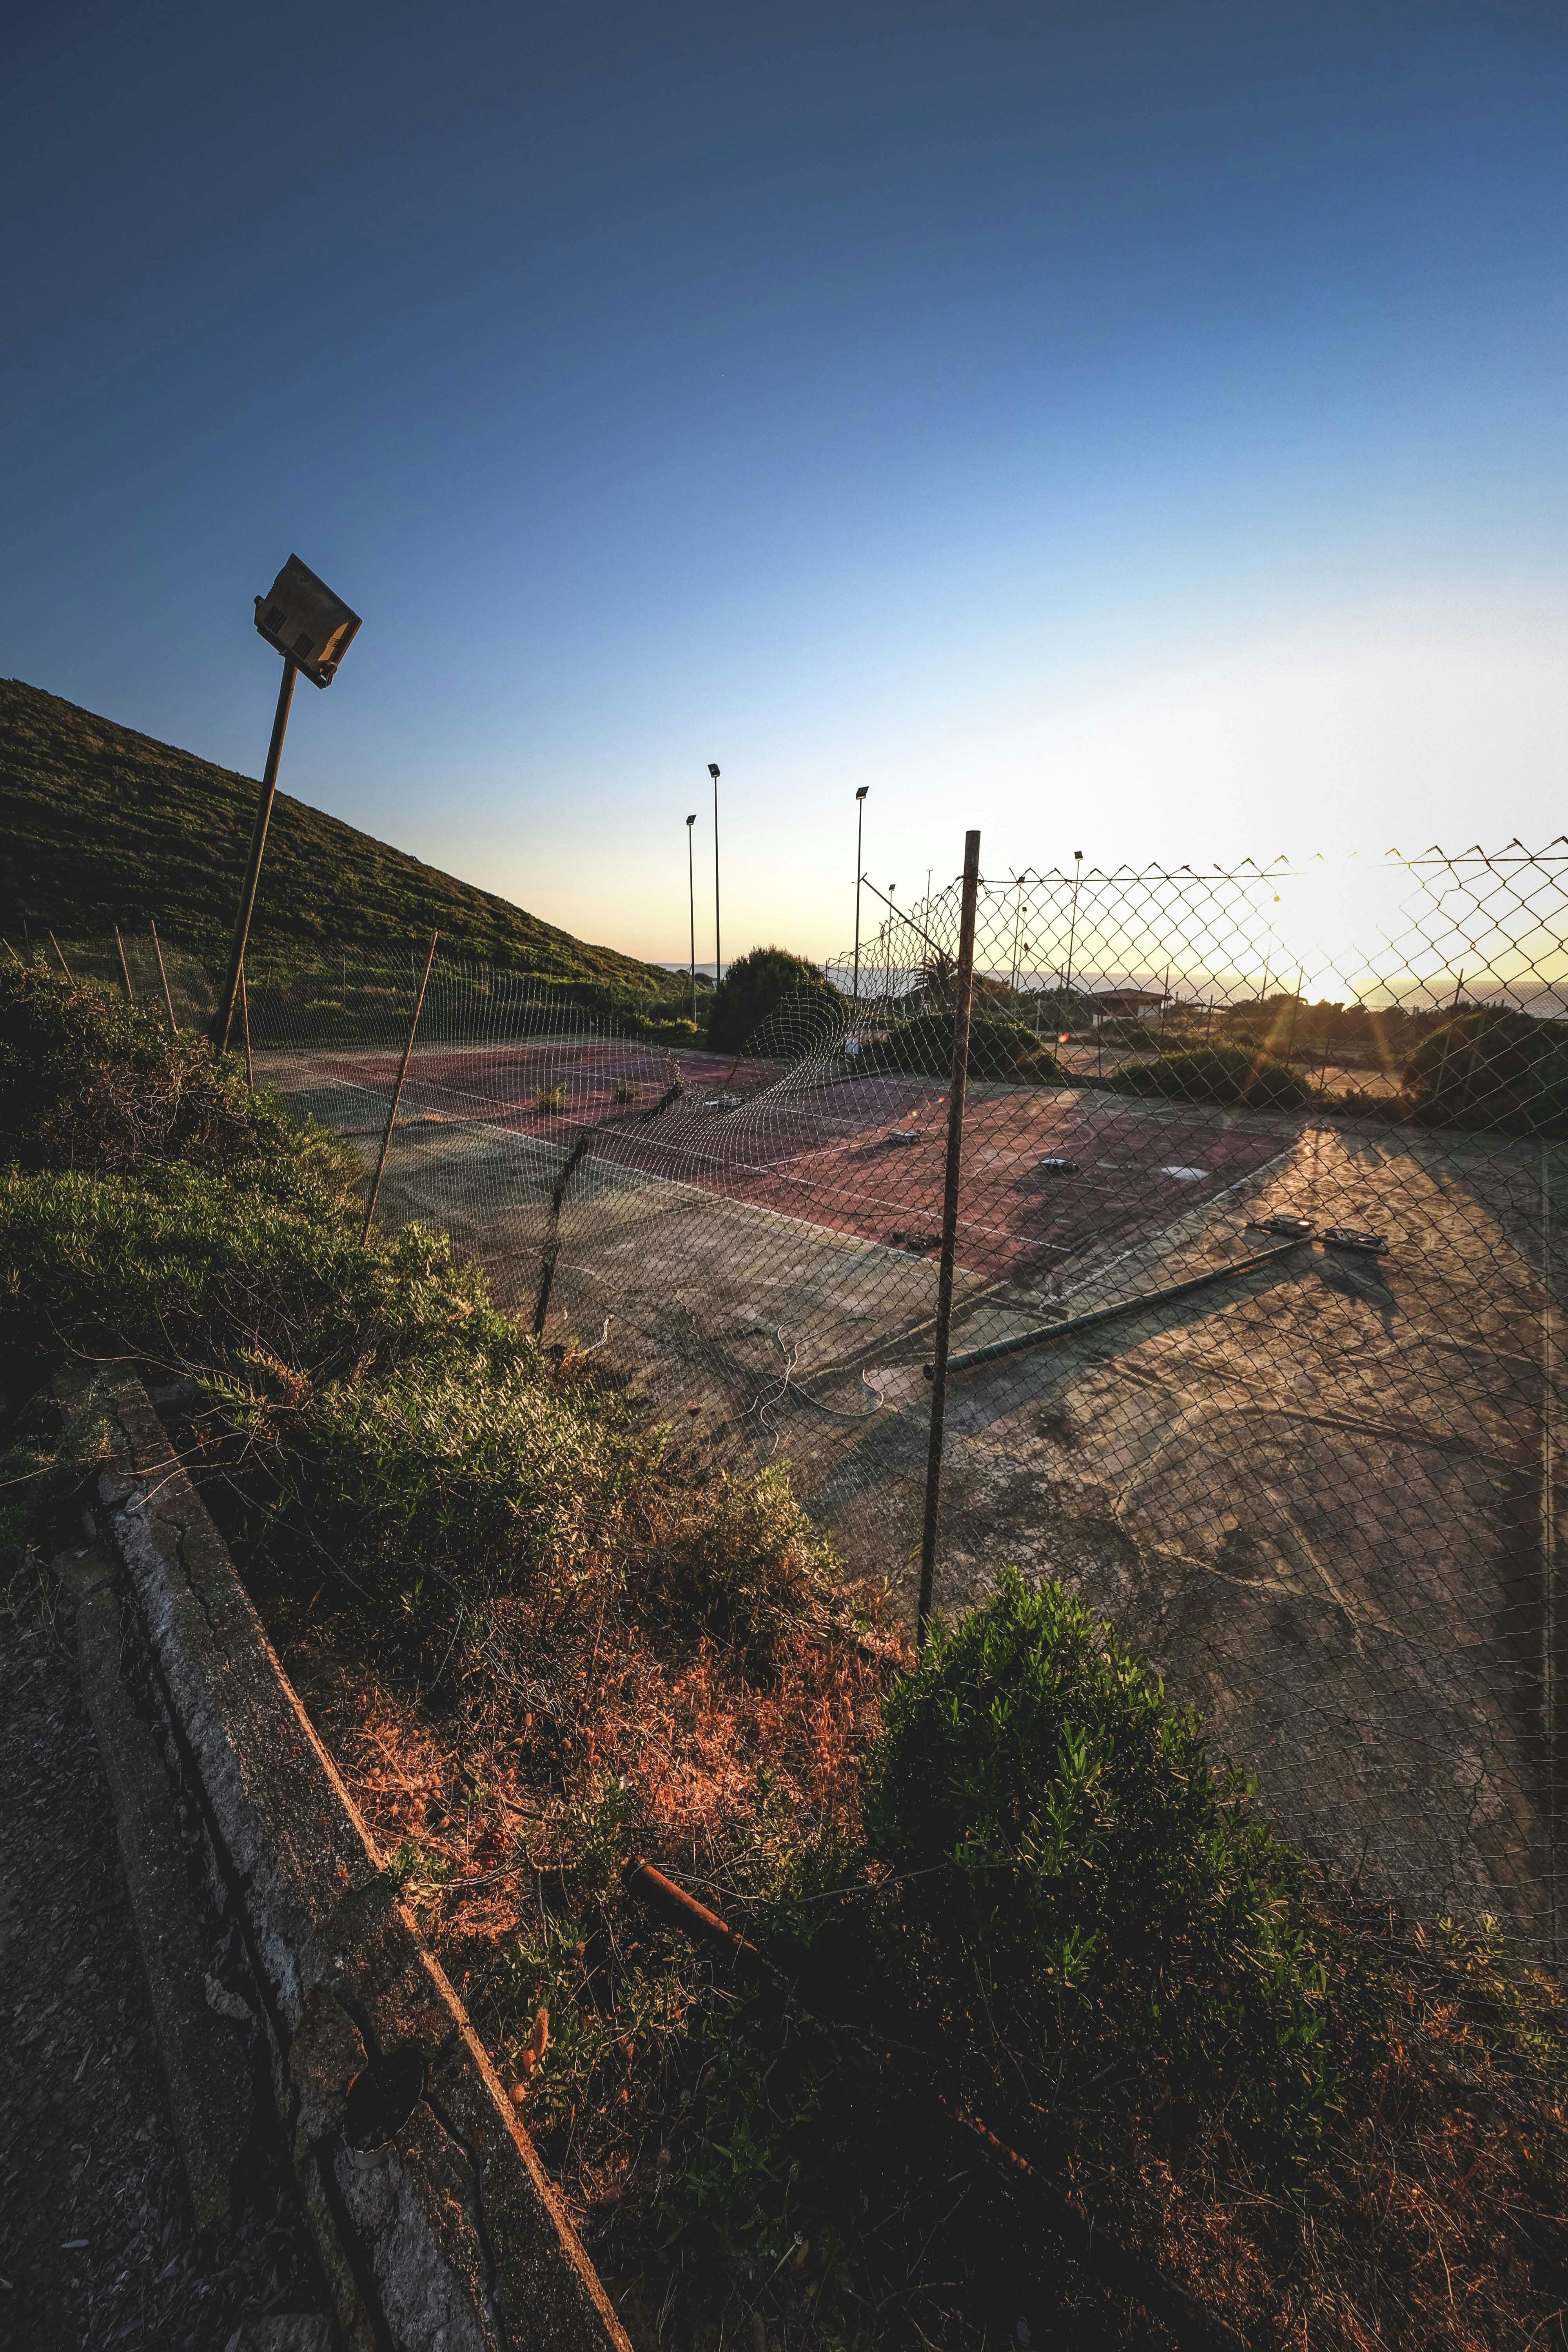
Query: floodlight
{"points": [[307, 624], [862, 791], [713, 770]]}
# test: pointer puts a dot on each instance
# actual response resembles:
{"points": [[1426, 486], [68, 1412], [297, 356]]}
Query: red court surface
{"points": [[819, 1146]]}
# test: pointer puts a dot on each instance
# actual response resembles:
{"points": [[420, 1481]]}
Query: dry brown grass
{"points": [[1435, 2218]]}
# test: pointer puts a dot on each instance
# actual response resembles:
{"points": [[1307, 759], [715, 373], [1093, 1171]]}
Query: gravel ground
{"points": [[98, 2246]]}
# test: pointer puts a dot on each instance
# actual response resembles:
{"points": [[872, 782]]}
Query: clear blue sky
{"points": [[1137, 429]]}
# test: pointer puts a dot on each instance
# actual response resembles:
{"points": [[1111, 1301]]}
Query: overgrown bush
{"points": [[1220, 1074], [1495, 1070], [87, 1081], [1082, 1898], [757, 985], [741, 1561], [388, 1418], [923, 1045]]}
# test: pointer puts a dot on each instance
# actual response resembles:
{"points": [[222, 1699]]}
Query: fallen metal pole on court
{"points": [[1077, 1323], [398, 1090]]}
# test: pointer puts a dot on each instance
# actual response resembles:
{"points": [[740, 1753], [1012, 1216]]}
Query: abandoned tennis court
{"points": [[1317, 1490]]}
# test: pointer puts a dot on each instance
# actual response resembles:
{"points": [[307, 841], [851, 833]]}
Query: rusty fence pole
{"points": [[124, 967], [398, 1090], [962, 999], [245, 1023], [64, 966], [168, 1000]]}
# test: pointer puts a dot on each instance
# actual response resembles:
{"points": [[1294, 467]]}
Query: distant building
{"points": [[1127, 1004]]}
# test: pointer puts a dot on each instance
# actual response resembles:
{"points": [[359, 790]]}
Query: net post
{"points": [[124, 967], [962, 999], [397, 1091]]}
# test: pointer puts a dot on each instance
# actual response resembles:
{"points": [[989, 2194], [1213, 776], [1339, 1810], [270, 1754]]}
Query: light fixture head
{"points": [[307, 624], [713, 770], [692, 818], [1078, 853], [862, 792]]}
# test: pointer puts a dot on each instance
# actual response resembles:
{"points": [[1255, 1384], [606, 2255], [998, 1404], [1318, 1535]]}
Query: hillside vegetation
{"points": [[104, 826]]}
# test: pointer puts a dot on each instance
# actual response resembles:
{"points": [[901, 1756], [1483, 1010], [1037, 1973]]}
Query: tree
{"points": [[758, 984]]}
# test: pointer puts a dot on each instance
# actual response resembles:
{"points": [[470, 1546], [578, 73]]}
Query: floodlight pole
{"points": [[962, 998], [717, 950], [691, 906], [859, 868], [223, 1019]]}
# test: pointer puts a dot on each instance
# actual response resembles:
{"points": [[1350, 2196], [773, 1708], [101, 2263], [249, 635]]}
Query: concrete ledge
{"points": [[441, 2230], [210, 2096]]}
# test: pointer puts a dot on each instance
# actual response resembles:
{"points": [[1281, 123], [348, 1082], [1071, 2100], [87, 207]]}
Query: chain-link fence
{"points": [[1255, 1264], [162, 977]]}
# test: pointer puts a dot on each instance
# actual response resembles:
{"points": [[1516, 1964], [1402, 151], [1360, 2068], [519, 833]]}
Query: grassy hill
{"points": [[101, 825]]}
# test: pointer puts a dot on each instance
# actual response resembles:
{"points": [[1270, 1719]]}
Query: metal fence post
{"points": [[397, 1091], [245, 1019], [168, 1000], [963, 995], [124, 967]]}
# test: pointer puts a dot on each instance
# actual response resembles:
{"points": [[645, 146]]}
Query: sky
{"points": [[1133, 427]]}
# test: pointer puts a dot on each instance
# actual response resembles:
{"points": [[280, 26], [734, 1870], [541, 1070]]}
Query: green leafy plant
{"points": [[1220, 1074], [758, 985], [741, 1560], [1066, 1855], [89, 1082], [1492, 1069], [923, 1045]]}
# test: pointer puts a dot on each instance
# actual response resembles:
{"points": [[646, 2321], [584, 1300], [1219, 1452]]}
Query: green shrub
{"points": [[214, 1270], [1065, 1853], [87, 1081], [923, 1045], [757, 985], [741, 1561], [1493, 1070], [1220, 1074]]}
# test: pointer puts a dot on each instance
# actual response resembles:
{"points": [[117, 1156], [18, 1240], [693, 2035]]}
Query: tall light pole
{"points": [[860, 825], [717, 950], [692, 899]]}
